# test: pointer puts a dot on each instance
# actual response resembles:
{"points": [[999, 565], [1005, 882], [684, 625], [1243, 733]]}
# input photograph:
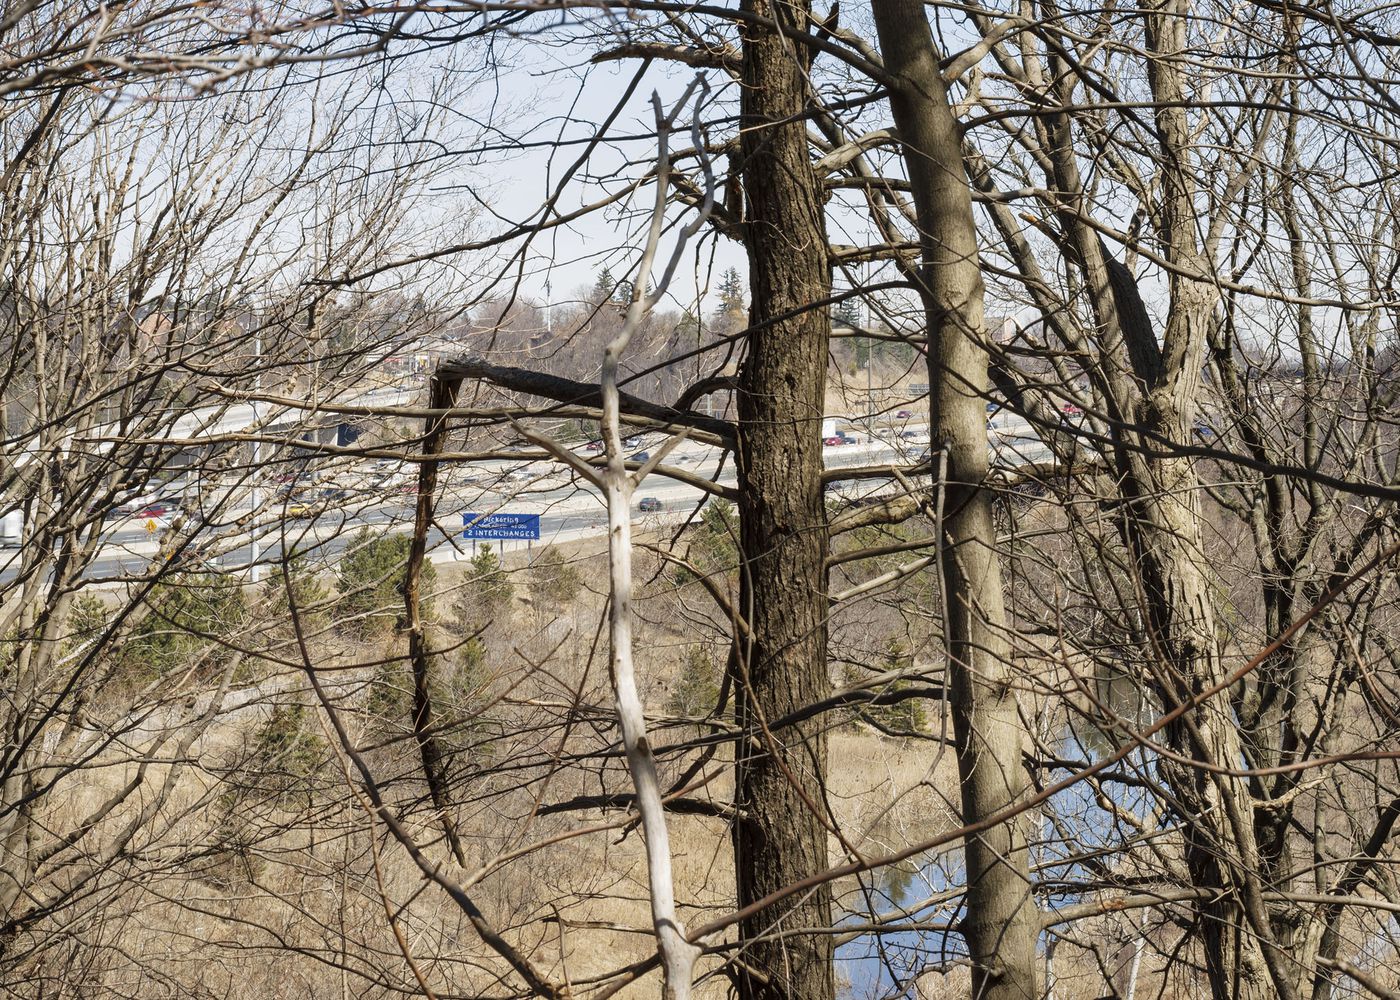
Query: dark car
{"points": [[903, 415], [649, 505], [640, 456]]}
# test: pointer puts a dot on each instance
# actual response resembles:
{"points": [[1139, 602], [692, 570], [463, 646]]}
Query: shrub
{"points": [[458, 686], [86, 620], [187, 616], [391, 694], [286, 752], [307, 593], [486, 595], [902, 717], [371, 582], [553, 581], [277, 768], [714, 542], [696, 692], [458, 681], [493, 586]]}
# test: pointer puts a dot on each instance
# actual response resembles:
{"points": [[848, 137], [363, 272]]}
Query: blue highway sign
{"points": [[525, 527]]}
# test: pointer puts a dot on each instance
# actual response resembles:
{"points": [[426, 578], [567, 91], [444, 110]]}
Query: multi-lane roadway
{"points": [[568, 506]]}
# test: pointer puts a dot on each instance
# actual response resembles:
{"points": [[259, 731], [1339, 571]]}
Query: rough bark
{"points": [[1164, 529], [1149, 394], [780, 837], [443, 393], [1001, 923]]}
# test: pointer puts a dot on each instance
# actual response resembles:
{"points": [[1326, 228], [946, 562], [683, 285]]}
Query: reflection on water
{"points": [[885, 966], [1119, 694]]}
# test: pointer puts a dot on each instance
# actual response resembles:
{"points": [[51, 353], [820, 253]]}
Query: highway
{"points": [[569, 507]]}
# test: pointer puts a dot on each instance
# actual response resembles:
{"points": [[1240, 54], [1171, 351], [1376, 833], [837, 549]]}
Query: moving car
{"points": [[160, 508], [903, 415], [649, 505], [12, 528], [640, 456]]}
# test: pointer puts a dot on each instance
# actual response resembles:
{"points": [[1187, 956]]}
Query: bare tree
{"points": [[148, 272], [1134, 571], [1001, 923]]}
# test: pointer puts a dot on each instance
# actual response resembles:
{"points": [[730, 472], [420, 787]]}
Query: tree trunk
{"points": [[1001, 922], [780, 836]]}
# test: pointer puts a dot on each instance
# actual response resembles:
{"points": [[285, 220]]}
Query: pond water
{"points": [[1072, 823], [886, 965]]}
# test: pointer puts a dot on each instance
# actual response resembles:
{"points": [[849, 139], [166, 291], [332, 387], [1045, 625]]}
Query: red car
{"points": [[594, 446], [159, 509], [834, 440]]}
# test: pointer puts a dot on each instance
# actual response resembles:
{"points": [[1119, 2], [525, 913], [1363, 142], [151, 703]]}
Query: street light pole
{"points": [[869, 362], [255, 570], [548, 312], [869, 391]]}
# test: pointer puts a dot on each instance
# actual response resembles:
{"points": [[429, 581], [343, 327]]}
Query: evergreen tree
{"points": [[864, 349], [493, 585], [371, 580], [847, 314], [731, 294], [603, 287]]}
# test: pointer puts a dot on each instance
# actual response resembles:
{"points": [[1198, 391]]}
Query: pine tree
{"points": [[847, 314], [731, 294], [603, 287]]}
